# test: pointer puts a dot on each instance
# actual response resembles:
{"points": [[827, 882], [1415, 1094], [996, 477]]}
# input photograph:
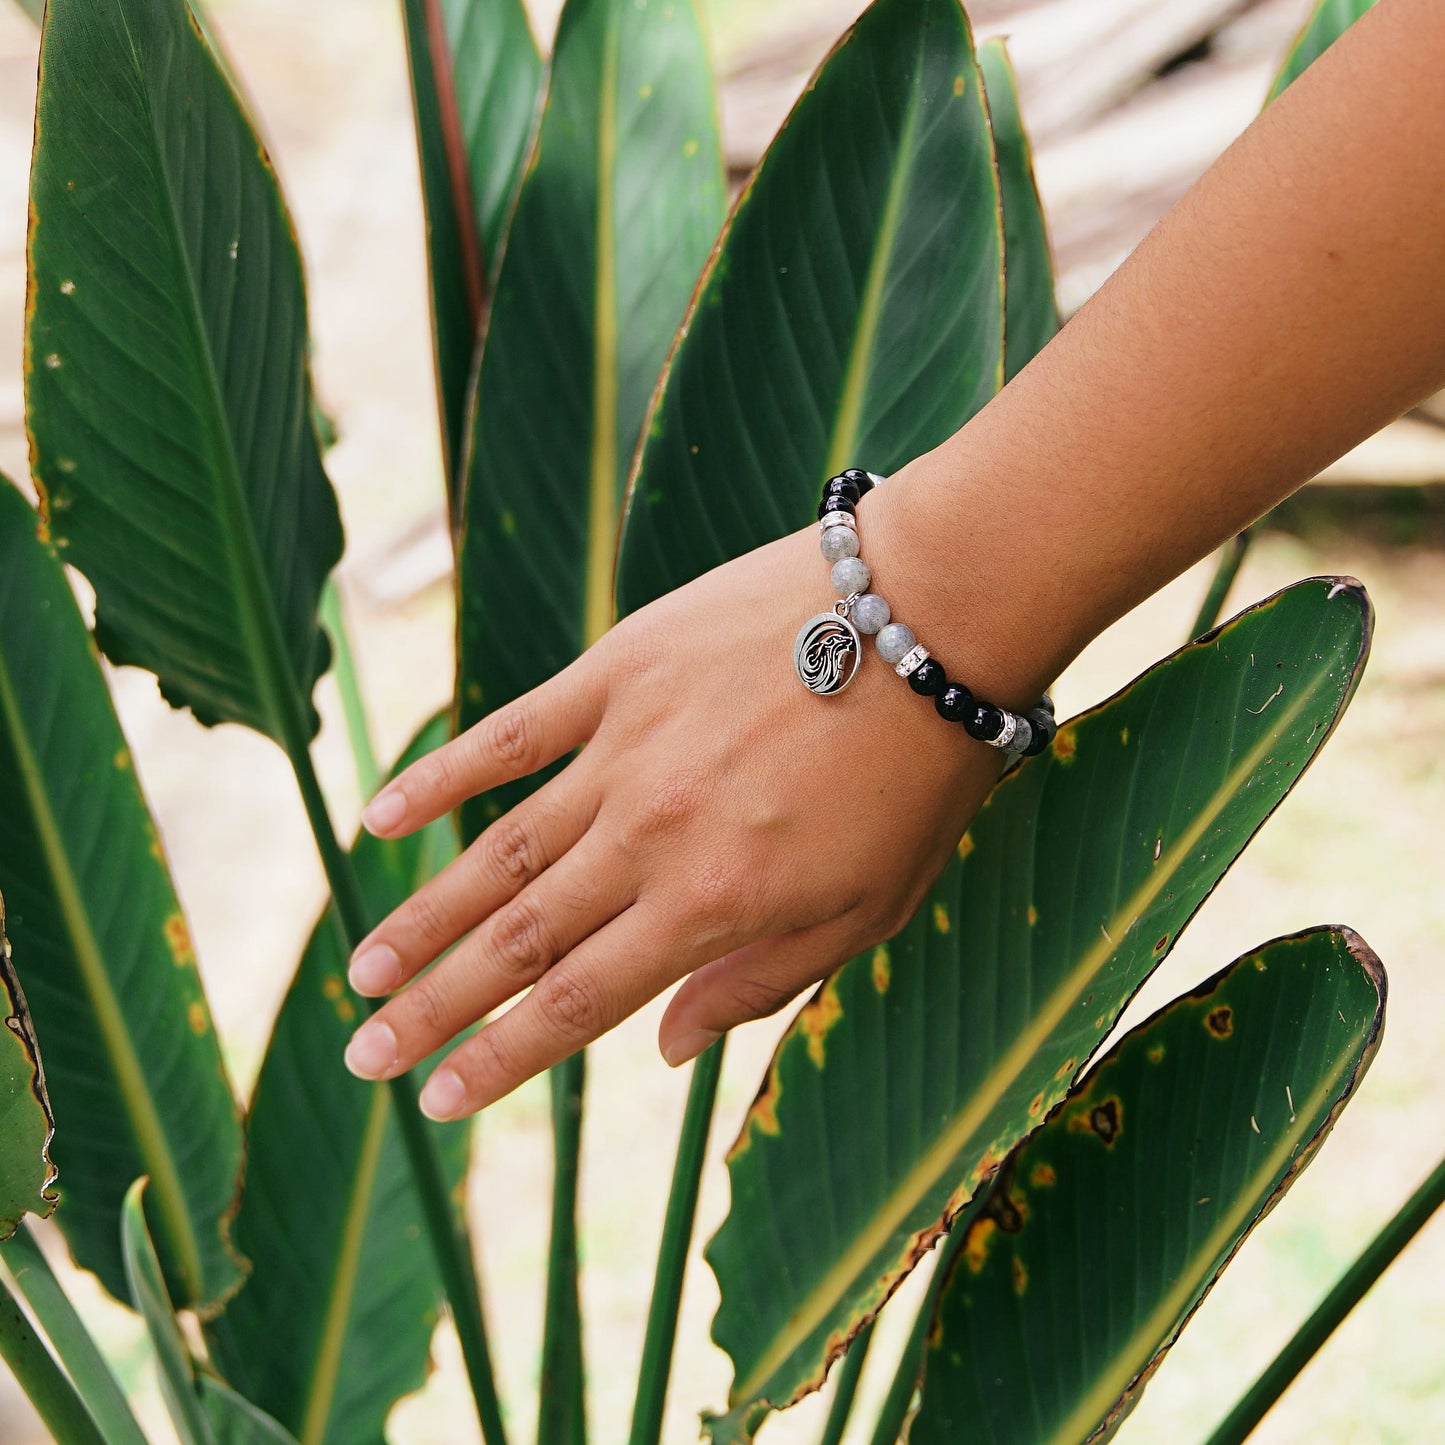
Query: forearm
{"points": [[1287, 307]]}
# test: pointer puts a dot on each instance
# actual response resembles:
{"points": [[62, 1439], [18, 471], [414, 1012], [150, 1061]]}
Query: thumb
{"points": [[749, 983]]}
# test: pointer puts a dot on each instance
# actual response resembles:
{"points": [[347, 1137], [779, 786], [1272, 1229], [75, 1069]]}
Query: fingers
{"points": [[510, 743], [751, 983], [508, 856], [603, 980], [512, 950]]}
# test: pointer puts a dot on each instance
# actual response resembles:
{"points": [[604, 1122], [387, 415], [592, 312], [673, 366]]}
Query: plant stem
{"points": [[36, 1372], [353, 708], [446, 1227], [1351, 1288], [677, 1226], [899, 1399], [561, 1416], [846, 1388], [1231, 556], [70, 1339]]}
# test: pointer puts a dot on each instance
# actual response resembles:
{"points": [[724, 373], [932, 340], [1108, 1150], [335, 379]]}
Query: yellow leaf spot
{"points": [[1156, 1054], [763, 1116], [474, 693], [977, 1242], [121, 760], [509, 523], [1124, 736], [1043, 1176], [818, 1018], [1033, 915], [1065, 744], [689, 149], [644, 92], [332, 986], [882, 968], [1021, 1276], [958, 86], [1066, 1068], [965, 845], [345, 1010], [196, 1017], [491, 810], [178, 940], [940, 918]]}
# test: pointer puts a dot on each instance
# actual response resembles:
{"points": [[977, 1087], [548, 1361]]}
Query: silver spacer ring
{"points": [[911, 661], [838, 519], [1006, 735]]}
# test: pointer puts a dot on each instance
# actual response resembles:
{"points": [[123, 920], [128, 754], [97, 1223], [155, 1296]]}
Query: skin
{"points": [[1289, 306]]}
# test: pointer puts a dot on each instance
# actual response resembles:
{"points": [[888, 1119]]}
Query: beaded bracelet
{"points": [[828, 650]]}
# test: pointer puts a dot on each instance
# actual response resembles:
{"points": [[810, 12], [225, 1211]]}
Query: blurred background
{"points": [[1127, 101]]}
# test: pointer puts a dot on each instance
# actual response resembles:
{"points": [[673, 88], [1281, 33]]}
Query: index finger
{"points": [[515, 740]]}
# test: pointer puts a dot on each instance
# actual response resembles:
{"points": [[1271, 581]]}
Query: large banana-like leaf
{"points": [[475, 73], [1099, 1237], [26, 1124], [168, 398], [1031, 314], [335, 1322], [132, 1061], [1327, 22], [852, 314], [913, 1072], [621, 199]]}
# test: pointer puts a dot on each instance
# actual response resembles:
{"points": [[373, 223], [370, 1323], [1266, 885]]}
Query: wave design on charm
{"points": [[826, 653]]}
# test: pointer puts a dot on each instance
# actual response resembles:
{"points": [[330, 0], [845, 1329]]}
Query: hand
{"points": [[720, 822]]}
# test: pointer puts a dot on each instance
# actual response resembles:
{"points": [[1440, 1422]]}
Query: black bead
{"points": [[955, 702], [1044, 728], [984, 722], [860, 479], [834, 504], [842, 487], [928, 679]]}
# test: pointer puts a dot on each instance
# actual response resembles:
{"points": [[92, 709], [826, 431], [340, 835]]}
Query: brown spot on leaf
{"points": [[1042, 1176], [1220, 1021], [1156, 1054], [1065, 744], [940, 918], [1103, 1120], [1021, 1276], [818, 1017], [1033, 915], [196, 1017], [1036, 1106], [965, 845], [882, 968], [1066, 1068], [1162, 944], [763, 1116], [178, 940], [977, 1241]]}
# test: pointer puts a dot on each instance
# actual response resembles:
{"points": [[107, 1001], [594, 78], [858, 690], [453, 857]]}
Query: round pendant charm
{"points": [[827, 653]]}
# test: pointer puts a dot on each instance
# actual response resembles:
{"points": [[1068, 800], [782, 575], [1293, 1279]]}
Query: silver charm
{"points": [[827, 652]]}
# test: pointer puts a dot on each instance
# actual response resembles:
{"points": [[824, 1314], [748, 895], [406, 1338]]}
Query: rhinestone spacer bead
{"points": [[838, 519], [1006, 733], [911, 661]]}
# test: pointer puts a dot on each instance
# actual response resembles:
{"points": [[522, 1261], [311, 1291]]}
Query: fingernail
{"points": [[385, 810], [689, 1046], [372, 1051], [443, 1096], [375, 970]]}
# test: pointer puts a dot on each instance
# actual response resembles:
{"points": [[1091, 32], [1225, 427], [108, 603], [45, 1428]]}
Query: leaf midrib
{"points": [[813, 1310], [139, 1106]]}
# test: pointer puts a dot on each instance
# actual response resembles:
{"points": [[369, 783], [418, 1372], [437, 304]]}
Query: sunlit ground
{"points": [[1358, 844]]}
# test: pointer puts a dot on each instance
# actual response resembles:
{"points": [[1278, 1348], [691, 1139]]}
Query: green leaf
{"points": [[1328, 21], [27, 1126], [1100, 1236], [169, 403], [234, 1420], [1031, 314], [132, 1060], [475, 77], [915, 1070], [335, 1321], [621, 199], [148, 1295], [852, 315]]}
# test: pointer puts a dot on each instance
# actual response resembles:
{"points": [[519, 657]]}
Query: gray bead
{"points": [[1023, 736], [849, 576], [870, 613], [895, 641], [839, 542]]}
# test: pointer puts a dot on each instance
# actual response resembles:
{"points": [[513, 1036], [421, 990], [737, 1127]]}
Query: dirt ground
{"points": [[1358, 843]]}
